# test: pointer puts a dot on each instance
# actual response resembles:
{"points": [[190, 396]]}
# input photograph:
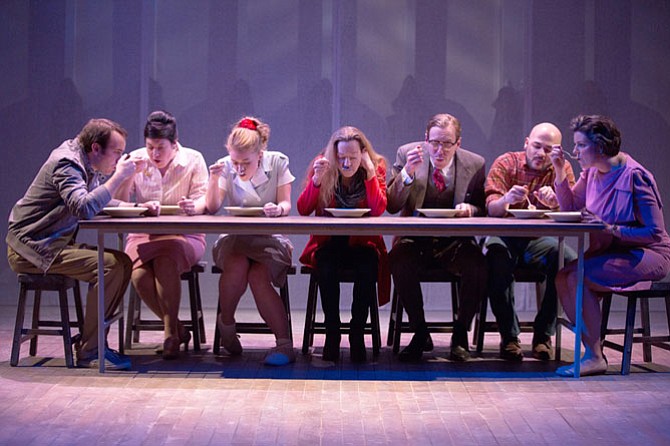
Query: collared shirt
{"points": [[65, 190], [186, 176], [511, 169], [262, 188], [447, 172]]}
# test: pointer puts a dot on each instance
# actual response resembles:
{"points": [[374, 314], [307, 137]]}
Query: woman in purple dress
{"points": [[634, 247]]}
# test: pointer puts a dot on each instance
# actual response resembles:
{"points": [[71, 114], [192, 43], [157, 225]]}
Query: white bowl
{"points": [[439, 213], [169, 209], [528, 213], [342, 212], [245, 211], [123, 211], [565, 217]]}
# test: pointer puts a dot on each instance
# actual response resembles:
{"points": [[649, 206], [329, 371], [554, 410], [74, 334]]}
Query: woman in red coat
{"points": [[347, 174]]}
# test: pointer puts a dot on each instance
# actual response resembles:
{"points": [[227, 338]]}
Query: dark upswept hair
{"points": [[601, 131], [444, 120], [98, 130], [161, 125]]}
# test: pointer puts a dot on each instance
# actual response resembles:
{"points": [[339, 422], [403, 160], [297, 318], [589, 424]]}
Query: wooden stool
{"points": [[196, 324], [396, 324], [255, 327], [47, 282], [313, 327], [520, 275], [659, 289]]}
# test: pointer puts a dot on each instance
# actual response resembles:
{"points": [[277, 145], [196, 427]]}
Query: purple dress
{"points": [[628, 197]]}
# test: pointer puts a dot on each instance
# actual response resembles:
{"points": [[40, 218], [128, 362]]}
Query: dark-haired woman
{"points": [[634, 247], [175, 175]]}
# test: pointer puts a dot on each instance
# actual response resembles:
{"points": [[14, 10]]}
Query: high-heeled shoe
{"points": [[184, 335], [171, 347]]}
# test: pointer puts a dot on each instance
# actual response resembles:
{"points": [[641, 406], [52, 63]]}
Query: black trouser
{"points": [[503, 255], [334, 255], [458, 255]]}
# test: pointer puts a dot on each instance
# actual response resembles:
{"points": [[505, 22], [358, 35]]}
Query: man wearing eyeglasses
{"points": [[518, 180], [437, 173]]}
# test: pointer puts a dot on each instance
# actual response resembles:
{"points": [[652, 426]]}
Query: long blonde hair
{"points": [[330, 178], [249, 134]]}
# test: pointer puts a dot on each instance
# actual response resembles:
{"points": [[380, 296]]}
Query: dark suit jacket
{"points": [[469, 187]]}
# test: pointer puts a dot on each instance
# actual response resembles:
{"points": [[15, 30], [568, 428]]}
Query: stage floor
{"points": [[207, 399]]}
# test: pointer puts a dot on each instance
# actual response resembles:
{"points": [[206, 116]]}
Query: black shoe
{"points": [[511, 350], [459, 354], [428, 346], [331, 348], [357, 351], [414, 350], [459, 344]]}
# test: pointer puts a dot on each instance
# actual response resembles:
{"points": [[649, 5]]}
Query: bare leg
{"points": [[168, 291], [565, 295], [593, 361], [144, 281], [267, 299], [232, 285]]}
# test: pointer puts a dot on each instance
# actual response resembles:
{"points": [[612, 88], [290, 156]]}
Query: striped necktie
{"points": [[438, 179]]}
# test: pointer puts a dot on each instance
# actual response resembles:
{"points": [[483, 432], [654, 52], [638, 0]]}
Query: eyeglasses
{"points": [[444, 145]]}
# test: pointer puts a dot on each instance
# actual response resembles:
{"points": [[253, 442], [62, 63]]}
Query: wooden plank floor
{"points": [[203, 399]]}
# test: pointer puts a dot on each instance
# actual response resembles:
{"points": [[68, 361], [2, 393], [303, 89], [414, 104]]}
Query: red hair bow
{"points": [[247, 123]]}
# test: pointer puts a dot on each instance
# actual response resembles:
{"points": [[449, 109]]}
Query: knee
{"points": [[499, 259], [569, 254], [165, 263], [472, 258], [141, 275], [232, 285], [258, 275], [118, 262], [402, 258], [561, 278]]}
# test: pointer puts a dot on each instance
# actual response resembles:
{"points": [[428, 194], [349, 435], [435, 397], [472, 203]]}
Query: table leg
{"points": [[579, 317], [101, 302]]}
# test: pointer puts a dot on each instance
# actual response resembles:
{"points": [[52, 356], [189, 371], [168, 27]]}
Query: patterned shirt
{"points": [[511, 169]]}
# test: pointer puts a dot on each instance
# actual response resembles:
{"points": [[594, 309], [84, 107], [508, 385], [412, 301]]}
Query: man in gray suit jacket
{"points": [[438, 173]]}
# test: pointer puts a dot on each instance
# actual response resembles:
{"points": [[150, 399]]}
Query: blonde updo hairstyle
{"points": [[330, 178], [248, 135]]}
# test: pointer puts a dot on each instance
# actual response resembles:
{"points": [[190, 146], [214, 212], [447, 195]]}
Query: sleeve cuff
{"points": [[406, 179]]}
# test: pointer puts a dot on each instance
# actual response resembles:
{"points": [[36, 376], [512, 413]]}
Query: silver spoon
{"points": [[531, 206], [570, 155]]}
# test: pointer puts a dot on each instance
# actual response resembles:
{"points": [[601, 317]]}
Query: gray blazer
{"points": [[469, 187], [64, 191]]}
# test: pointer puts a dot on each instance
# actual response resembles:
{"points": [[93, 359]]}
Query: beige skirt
{"points": [[273, 251]]}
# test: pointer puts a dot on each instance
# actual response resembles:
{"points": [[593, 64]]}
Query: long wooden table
{"points": [[385, 225]]}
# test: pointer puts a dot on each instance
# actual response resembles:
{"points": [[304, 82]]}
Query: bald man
{"points": [[517, 179]]}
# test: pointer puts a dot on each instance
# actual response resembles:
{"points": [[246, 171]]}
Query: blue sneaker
{"points": [[280, 355], [113, 361]]}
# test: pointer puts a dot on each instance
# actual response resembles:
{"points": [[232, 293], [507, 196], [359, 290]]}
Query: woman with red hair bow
{"points": [[251, 176]]}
